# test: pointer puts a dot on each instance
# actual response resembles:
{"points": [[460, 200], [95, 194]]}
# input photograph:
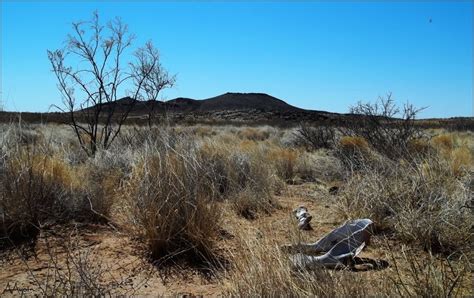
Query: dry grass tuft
{"points": [[353, 151], [430, 276], [461, 161], [419, 147], [285, 161], [423, 203], [252, 182], [32, 192], [443, 142], [253, 134], [171, 204], [353, 144], [243, 175]]}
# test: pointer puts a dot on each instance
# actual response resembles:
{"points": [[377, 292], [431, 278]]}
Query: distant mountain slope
{"points": [[226, 108], [233, 101], [227, 102]]}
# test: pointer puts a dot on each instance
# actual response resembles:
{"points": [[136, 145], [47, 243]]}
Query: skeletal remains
{"points": [[303, 217], [338, 248]]}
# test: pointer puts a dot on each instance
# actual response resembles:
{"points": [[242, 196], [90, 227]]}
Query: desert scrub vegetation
{"points": [[416, 186], [40, 187], [388, 128], [285, 161], [353, 152], [424, 202], [46, 179], [315, 137], [244, 176], [429, 276], [253, 134], [96, 126], [178, 185], [171, 200], [176, 190], [261, 268]]}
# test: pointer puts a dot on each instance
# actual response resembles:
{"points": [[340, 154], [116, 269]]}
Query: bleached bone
{"points": [[339, 246], [303, 217]]}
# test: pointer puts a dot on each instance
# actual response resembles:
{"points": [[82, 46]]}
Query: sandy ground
{"points": [[121, 262]]}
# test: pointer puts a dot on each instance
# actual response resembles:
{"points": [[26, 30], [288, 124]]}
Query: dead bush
{"points": [[386, 127], [315, 137]]}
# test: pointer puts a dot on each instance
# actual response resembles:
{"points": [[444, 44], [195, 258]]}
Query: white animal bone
{"points": [[339, 246], [303, 217]]}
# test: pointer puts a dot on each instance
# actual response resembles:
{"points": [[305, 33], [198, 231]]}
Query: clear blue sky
{"points": [[314, 55]]}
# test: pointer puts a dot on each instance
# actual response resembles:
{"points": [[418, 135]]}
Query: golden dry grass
{"points": [[351, 143], [443, 141]]}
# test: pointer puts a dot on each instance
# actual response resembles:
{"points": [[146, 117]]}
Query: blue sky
{"points": [[315, 55]]}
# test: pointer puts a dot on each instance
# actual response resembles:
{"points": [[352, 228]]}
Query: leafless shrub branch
{"points": [[378, 124], [91, 89]]}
